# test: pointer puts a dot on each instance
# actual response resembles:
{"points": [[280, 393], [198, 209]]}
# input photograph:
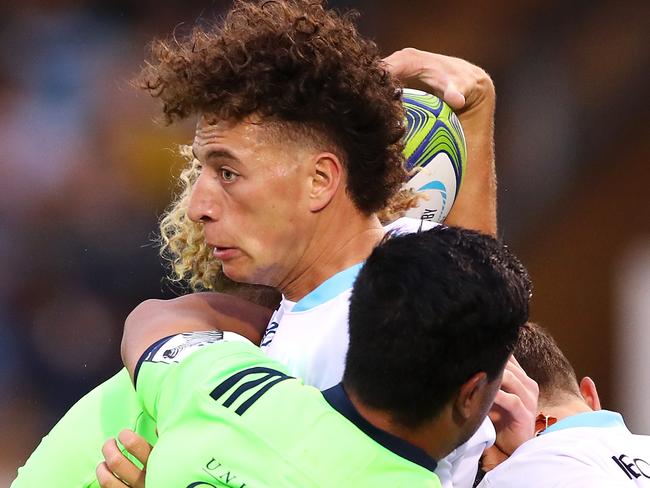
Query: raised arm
{"points": [[469, 90]]}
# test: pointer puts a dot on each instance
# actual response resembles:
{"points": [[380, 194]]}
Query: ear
{"points": [[326, 177], [471, 395], [589, 393]]}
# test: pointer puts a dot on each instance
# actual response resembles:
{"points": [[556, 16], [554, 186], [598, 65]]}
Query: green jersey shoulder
{"points": [[227, 415]]}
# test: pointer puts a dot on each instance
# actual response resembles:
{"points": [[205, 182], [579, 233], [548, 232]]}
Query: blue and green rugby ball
{"points": [[435, 151]]}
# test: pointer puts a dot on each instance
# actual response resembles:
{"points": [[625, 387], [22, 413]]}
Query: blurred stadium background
{"points": [[85, 173]]}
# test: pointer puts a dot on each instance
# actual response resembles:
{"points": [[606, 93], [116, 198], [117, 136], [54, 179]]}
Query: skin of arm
{"points": [[155, 319], [468, 90]]}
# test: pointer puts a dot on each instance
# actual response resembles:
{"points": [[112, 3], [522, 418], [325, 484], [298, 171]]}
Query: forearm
{"points": [[469, 91], [154, 319], [476, 207]]}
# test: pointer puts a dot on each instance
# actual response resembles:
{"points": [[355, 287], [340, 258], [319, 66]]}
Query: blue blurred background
{"points": [[85, 173]]}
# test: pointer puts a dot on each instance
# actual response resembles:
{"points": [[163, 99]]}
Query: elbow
{"points": [[137, 321]]}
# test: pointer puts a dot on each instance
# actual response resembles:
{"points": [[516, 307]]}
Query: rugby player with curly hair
{"points": [[297, 149]]}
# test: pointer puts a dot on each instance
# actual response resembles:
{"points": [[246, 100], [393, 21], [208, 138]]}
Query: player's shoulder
{"points": [[176, 347], [547, 457], [179, 348]]}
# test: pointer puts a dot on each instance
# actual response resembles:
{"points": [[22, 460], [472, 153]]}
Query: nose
{"points": [[204, 205]]}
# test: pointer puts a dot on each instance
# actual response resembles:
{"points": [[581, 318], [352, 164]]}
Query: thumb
{"points": [[454, 98], [402, 65], [136, 445]]}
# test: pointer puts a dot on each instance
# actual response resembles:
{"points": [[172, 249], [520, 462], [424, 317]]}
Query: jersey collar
{"points": [[329, 289], [339, 400], [599, 418]]}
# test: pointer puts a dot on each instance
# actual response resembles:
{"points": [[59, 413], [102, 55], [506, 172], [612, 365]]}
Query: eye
{"points": [[227, 175]]}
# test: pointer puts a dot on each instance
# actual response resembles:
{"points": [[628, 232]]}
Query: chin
{"points": [[234, 273], [241, 274], [249, 272]]}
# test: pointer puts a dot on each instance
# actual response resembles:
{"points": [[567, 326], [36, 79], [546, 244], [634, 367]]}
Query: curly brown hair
{"points": [[295, 62]]}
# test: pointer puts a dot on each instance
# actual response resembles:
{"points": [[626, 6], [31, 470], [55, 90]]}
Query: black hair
{"points": [[428, 311]]}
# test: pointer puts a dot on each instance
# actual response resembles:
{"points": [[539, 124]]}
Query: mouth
{"points": [[225, 253]]}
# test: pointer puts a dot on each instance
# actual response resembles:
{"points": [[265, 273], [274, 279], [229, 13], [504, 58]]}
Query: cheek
{"points": [[271, 214], [282, 202], [280, 236]]}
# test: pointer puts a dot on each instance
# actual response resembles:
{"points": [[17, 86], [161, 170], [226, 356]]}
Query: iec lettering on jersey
{"points": [[633, 467]]}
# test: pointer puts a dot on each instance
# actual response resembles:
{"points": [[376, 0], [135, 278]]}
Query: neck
{"points": [[571, 406], [340, 240], [431, 438]]}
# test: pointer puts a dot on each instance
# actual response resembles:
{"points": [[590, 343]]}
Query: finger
{"points": [[432, 69], [106, 478], [403, 64], [135, 444], [496, 415], [512, 421], [121, 466], [514, 366], [504, 409], [509, 408], [453, 96], [513, 360], [511, 383], [509, 413], [522, 386], [511, 405]]}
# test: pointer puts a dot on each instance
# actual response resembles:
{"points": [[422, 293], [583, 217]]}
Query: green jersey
{"points": [[227, 415], [68, 455]]}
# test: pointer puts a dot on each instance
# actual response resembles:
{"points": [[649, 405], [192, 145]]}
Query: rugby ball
{"points": [[435, 154]]}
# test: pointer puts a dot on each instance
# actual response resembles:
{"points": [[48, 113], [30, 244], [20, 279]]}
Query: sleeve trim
{"points": [[149, 352]]}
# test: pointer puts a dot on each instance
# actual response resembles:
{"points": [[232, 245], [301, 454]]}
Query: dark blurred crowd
{"points": [[85, 171]]}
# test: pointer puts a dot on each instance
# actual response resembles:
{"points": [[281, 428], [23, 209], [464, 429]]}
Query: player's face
{"points": [[252, 197]]}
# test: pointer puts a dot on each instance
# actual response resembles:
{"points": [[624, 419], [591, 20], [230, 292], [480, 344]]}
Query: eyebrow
{"points": [[217, 153]]}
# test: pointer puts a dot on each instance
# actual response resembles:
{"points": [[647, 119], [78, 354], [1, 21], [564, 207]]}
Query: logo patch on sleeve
{"points": [[176, 348]]}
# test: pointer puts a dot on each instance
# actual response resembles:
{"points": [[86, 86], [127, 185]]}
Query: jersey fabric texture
{"points": [[68, 455], [593, 449], [311, 337], [227, 415]]}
